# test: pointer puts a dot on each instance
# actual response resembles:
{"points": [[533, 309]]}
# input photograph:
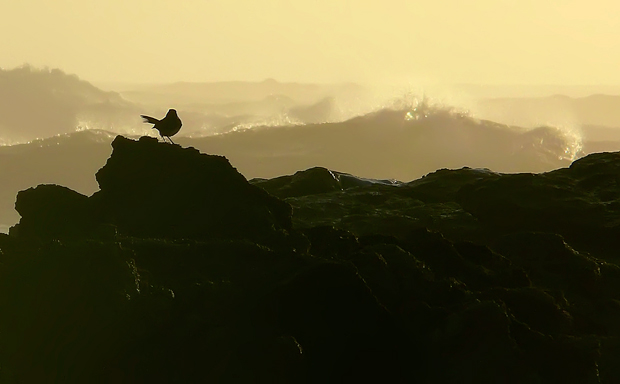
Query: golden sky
{"points": [[445, 41]]}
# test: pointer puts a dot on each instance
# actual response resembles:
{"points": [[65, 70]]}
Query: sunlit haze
{"points": [[439, 41]]}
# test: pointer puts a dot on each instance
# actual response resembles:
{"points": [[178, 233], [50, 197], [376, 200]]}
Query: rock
{"points": [[275, 360], [149, 189], [347, 335], [609, 363], [566, 201], [152, 189], [52, 211], [534, 307], [564, 359], [443, 185], [330, 243], [391, 270], [309, 182], [68, 306], [315, 181], [475, 346], [179, 270], [374, 269], [551, 262]]}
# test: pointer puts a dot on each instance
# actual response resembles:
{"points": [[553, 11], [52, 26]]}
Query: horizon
{"points": [[507, 90], [476, 90]]}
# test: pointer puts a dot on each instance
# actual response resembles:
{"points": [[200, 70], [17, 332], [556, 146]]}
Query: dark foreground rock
{"points": [[179, 270], [151, 190]]}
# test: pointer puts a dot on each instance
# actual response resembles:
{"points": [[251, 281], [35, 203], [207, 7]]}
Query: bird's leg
{"points": [[170, 140], [163, 138]]}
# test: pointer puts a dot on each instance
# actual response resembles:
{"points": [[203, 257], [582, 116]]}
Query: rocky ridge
{"points": [[179, 270]]}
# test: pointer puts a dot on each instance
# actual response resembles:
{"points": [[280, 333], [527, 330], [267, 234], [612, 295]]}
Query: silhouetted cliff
{"points": [[179, 270], [149, 189]]}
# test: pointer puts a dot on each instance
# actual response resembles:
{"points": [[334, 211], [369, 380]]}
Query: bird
{"points": [[168, 126]]}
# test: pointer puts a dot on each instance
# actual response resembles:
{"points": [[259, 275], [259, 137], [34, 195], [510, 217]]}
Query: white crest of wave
{"points": [[561, 136]]}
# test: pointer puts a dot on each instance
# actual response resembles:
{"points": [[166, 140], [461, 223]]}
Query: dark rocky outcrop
{"points": [[52, 211], [579, 203], [152, 190], [149, 189], [179, 270], [314, 181]]}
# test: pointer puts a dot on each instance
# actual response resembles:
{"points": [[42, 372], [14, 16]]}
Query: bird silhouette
{"points": [[168, 126]]}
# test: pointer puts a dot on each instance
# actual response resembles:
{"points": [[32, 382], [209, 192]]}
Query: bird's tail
{"points": [[149, 119]]}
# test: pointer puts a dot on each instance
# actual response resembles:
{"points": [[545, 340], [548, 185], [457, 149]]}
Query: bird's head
{"points": [[171, 112]]}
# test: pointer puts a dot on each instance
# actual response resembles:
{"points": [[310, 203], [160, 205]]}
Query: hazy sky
{"points": [[448, 41]]}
